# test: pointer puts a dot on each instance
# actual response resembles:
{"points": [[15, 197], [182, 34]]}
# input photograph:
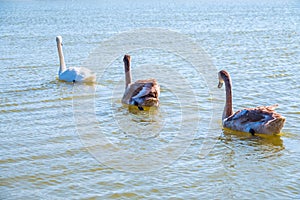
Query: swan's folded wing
{"points": [[249, 115], [143, 91], [256, 115], [68, 75], [131, 90]]}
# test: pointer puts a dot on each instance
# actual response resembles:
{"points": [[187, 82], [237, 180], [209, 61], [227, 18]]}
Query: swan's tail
{"points": [[90, 79], [275, 125]]}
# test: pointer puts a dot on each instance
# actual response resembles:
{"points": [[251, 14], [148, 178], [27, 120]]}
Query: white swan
{"points": [[140, 93], [72, 74], [262, 119]]}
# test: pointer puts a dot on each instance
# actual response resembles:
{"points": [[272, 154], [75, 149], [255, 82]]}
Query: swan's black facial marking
{"points": [[251, 131]]}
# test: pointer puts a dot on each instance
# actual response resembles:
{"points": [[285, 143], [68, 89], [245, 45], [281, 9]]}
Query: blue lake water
{"points": [[47, 152]]}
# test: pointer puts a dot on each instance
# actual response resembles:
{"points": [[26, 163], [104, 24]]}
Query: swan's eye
{"points": [[61, 44]]}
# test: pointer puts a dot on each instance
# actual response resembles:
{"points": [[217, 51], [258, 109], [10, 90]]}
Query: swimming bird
{"points": [[72, 74], [140, 93], [262, 119]]}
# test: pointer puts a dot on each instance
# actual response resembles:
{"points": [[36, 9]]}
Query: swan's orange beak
{"points": [[220, 84]]}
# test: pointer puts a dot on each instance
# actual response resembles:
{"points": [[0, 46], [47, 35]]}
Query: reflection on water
{"points": [[139, 124], [253, 147], [258, 139]]}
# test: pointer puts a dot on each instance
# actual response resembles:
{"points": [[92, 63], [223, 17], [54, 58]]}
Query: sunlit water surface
{"points": [[43, 156]]}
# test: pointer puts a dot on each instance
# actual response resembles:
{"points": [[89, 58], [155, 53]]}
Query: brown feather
{"points": [[142, 92], [262, 119]]}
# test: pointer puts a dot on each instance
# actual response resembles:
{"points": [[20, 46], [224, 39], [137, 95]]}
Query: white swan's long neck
{"points": [[62, 65], [228, 111], [127, 73]]}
